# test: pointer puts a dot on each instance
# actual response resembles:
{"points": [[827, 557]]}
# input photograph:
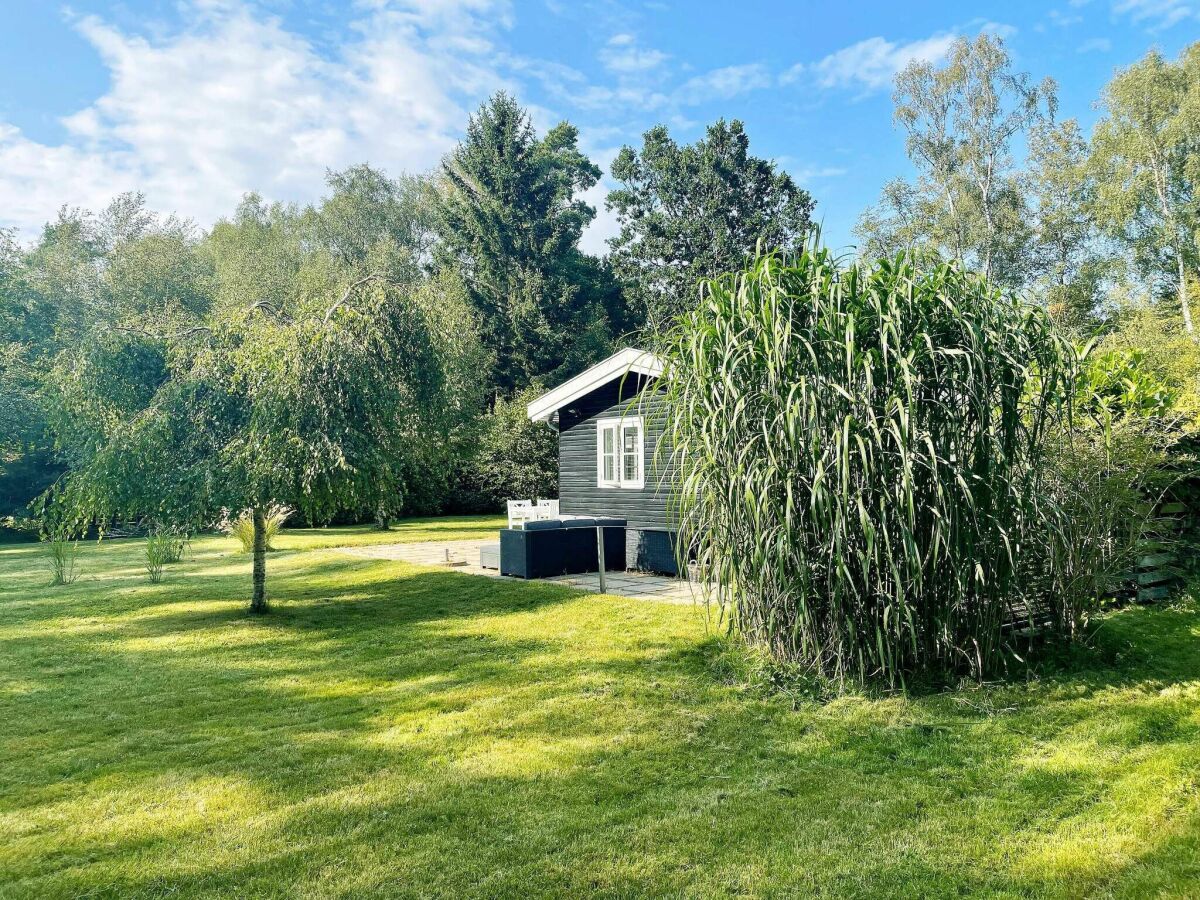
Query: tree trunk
{"points": [[258, 603], [1160, 188], [1184, 304]]}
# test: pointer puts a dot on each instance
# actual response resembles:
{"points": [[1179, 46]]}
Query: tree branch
{"points": [[350, 290]]}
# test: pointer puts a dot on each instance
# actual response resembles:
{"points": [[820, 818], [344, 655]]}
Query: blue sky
{"points": [[197, 101]]}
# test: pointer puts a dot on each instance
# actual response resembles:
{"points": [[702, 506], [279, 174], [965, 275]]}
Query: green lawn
{"points": [[396, 731]]}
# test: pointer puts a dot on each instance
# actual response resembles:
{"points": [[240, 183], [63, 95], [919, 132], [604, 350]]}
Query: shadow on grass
{"points": [[422, 732]]}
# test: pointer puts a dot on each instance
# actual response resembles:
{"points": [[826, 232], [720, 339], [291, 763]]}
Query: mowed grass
{"points": [[394, 731]]}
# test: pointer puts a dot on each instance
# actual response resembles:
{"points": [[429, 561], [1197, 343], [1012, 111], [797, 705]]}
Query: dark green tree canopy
{"points": [[509, 221], [693, 212]]}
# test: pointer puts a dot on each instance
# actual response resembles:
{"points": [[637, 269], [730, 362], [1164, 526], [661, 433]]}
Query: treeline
{"points": [[1088, 226], [367, 355], [371, 354]]}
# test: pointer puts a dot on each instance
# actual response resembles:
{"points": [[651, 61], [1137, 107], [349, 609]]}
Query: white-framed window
{"points": [[621, 453]]}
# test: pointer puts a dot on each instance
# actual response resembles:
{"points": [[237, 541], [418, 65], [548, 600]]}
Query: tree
{"points": [[693, 212], [1068, 271], [90, 281], [1146, 153], [960, 121], [300, 384], [509, 222], [367, 213], [514, 457]]}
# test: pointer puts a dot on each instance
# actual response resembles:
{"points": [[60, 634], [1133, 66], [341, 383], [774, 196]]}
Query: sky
{"points": [[196, 102]]}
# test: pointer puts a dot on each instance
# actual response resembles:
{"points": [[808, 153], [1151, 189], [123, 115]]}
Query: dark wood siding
{"points": [[577, 490]]}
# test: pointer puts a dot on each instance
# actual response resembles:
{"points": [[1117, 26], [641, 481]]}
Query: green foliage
{"points": [[1104, 476], [961, 120], [163, 546], [305, 382], [861, 453], [1116, 383], [1069, 268], [1146, 157], [62, 557], [515, 458], [241, 526], [1165, 358], [509, 222], [692, 212]]}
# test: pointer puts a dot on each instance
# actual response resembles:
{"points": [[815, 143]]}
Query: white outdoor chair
{"points": [[519, 512], [546, 509]]}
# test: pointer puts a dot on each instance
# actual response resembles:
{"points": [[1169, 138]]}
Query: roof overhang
{"points": [[629, 361]]}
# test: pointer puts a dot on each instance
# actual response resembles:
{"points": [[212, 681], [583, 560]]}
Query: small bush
{"points": [[163, 546], [62, 555], [242, 526]]}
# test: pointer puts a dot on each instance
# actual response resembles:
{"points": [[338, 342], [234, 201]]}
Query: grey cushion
{"points": [[543, 525]]}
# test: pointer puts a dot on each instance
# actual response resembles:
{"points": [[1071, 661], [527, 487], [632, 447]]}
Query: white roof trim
{"points": [[623, 362]]}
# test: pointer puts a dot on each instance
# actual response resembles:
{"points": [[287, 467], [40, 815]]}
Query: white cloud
{"points": [[873, 63], [809, 174], [1063, 20], [1156, 14], [623, 56], [723, 83], [1095, 45], [234, 102], [604, 226]]}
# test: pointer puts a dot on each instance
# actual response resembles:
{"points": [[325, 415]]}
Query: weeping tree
{"points": [[861, 449], [319, 399]]}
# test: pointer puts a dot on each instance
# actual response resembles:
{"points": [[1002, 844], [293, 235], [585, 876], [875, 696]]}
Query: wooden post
{"points": [[600, 555]]}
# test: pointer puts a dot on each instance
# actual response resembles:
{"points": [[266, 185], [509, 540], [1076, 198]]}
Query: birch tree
{"points": [[1146, 155], [961, 120]]}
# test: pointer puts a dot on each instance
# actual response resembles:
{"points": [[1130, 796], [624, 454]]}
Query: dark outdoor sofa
{"points": [[550, 547]]}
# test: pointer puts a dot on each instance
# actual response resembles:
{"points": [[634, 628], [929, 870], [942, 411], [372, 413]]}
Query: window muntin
{"points": [[620, 453]]}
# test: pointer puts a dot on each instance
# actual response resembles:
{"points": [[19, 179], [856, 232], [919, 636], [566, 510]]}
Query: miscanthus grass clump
{"points": [[861, 449]]}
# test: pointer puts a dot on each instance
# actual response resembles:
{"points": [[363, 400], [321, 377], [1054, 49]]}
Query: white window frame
{"points": [[617, 426]]}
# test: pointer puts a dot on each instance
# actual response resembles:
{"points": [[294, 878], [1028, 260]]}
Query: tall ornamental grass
{"points": [[861, 449], [62, 557], [241, 526]]}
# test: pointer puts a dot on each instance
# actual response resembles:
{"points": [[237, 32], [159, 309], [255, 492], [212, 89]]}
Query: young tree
{"points": [[509, 222], [961, 120], [1146, 152], [693, 212]]}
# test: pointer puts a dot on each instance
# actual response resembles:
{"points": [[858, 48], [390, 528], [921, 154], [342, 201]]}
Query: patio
{"points": [[463, 556]]}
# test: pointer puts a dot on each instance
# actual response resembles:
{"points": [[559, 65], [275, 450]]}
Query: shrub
{"points": [[242, 526], [1104, 482], [62, 555], [1155, 346], [515, 458], [861, 451], [163, 546]]}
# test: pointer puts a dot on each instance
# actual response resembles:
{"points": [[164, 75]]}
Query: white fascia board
{"points": [[630, 360]]}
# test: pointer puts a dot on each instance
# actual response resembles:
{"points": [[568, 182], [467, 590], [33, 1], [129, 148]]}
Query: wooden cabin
{"points": [[609, 420]]}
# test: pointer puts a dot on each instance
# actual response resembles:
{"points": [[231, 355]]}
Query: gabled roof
{"points": [[624, 362]]}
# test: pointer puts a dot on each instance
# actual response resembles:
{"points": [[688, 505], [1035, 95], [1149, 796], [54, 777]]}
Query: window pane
{"points": [[609, 467], [631, 448], [609, 439]]}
